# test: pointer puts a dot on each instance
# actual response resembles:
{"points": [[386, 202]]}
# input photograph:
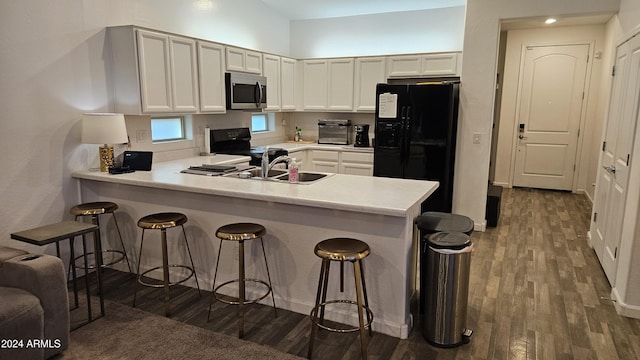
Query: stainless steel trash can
{"points": [[446, 272]]}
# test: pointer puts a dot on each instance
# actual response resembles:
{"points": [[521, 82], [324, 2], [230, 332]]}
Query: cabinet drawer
{"points": [[325, 155], [357, 157]]}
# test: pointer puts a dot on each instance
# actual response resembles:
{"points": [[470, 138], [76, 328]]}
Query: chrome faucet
{"points": [[282, 158], [264, 165]]}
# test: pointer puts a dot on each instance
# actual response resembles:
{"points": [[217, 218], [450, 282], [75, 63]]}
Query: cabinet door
{"points": [[184, 74], [406, 65], [368, 73], [340, 86], [253, 62], [271, 67], [325, 161], [315, 84], [211, 69], [356, 163], [235, 59], [155, 72], [439, 64], [287, 84]]}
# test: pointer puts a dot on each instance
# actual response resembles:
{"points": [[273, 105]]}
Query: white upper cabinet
{"points": [[184, 74], [153, 72], [440, 64], [328, 84], [211, 67], [369, 71], [244, 60], [271, 70], [340, 97], [287, 84], [315, 84]]}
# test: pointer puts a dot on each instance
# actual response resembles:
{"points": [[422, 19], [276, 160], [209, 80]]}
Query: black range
{"points": [[237, 141]]}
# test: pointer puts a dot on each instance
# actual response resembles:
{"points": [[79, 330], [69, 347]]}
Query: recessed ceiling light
{"points": [[550, 21]]}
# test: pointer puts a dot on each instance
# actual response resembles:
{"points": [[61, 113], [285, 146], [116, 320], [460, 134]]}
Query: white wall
{"points": [[422, 31], [478, 82], [597, 92], [53, 68]]}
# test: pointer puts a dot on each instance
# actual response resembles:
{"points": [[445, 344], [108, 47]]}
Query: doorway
{"points": [[542, 162], [550, 101]]}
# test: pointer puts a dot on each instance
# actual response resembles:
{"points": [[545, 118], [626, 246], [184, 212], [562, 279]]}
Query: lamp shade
{"points": [[104, 128]]}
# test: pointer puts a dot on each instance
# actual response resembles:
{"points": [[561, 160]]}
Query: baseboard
{"points": [[631, 311], [482, 226], [503, 184]]}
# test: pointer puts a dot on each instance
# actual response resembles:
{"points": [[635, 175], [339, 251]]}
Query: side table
{"points": [[54, 233]]}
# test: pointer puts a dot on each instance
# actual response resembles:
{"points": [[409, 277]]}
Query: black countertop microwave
{"points": [[245, 91]]}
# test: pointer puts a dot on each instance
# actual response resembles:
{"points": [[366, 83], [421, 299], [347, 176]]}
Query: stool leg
{"points": [[269, 278], [135, 289], [213, 288], [363, 337], [191, 259], [124, 249], [165, 272], [241, 289], [97, 250], [366, 298], [314, 311], [325, 286]]}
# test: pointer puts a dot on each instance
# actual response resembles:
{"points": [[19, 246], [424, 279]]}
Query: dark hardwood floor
{"points": [[536, 291]]}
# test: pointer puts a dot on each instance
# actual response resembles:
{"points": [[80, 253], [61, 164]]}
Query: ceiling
{"points": [[320, 9]]}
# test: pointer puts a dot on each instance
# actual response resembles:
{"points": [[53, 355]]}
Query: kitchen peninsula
{"points": [[379, 211]]}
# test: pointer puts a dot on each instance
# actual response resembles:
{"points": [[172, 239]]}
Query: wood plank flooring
{"points": [[536, 291]]}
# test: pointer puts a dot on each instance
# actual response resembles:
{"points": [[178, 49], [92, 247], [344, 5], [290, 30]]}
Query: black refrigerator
{"points": [[415, 136]]}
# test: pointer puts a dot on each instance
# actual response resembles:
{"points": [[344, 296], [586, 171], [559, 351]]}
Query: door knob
{"points": [[610, 169]]}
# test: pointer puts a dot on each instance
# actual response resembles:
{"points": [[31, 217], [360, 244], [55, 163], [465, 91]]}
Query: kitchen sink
{"points": [[256, 173], [304, 177], [278, 175]]}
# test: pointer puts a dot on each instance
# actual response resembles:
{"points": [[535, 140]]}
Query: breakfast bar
{"points": [[379, 211]]}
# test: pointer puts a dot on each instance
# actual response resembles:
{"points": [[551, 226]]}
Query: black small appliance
{"points": [[362, 135]]}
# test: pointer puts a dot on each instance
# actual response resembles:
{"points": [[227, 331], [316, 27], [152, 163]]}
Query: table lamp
{"points": [[104, 128]]}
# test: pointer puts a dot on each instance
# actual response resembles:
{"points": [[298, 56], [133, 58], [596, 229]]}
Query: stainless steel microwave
{"points": [[245, 91]]}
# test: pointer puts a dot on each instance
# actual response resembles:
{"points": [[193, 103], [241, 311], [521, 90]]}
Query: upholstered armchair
{"points": [[34, 305]]}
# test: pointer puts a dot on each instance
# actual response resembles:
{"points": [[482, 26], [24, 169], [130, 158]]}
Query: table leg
{"points": [[86, 277], [97, 253]]}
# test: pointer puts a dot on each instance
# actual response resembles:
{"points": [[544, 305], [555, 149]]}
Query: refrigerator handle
{"points": [[403, 140], [406, 131]]}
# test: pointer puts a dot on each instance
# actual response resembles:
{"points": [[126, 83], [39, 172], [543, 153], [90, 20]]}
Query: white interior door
{"points": [[549, 112], [613, 176]]}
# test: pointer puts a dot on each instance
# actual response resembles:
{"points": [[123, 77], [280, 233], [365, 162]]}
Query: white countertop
{"points": [[366, 194]]}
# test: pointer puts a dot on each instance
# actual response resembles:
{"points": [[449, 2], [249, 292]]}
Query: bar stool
{"points": [[162, 222], [342, 250], [241, 232], [94, 210]]}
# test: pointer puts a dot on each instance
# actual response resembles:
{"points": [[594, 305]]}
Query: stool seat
{"points": [[162, 220], [241, 231], [342, 249], [434, 221], [94, 208]]}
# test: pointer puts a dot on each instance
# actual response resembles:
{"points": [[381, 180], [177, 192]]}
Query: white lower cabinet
{"points": [[341, 162], [356, 163], [325, 161]]}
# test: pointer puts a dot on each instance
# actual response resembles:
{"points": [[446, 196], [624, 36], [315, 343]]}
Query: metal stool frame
{"points": [[362, 301], [241, 280], [166, 283], [95, 219]]}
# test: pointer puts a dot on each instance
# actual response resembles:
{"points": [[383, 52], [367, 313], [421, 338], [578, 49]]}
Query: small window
{"points": [[167, 129], [259, 122]]}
